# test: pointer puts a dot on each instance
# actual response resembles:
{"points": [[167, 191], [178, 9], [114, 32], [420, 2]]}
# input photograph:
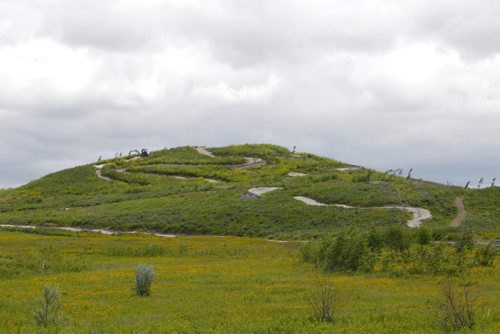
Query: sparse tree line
{"points": [[399, 172], [481, 183]]}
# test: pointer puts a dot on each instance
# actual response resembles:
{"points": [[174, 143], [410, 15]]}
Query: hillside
{"points": [[188, 190]]}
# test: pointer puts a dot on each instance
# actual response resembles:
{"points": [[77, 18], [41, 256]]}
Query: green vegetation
{"points": [[375, 274], [48, 312], [144, 277], [215, 285], [145, 195], [395, 252]]}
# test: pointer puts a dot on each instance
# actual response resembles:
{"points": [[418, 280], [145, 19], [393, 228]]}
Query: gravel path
{"points": [[419, 214], [251, 163], [295, 174], [91, 230], [205, 151], [254, 193], [461, 213], [98, 172]]}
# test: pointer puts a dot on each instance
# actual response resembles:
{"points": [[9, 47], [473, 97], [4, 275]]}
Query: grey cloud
{"points": [[382, 84]]}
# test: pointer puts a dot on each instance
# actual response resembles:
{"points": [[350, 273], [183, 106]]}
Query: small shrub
{"points": [[375, 239], [395, 238], [466, 241], [325, 298], [459, 304], [485, 255], [48, 312], [423, 236], [347, 252], [144, 277]]}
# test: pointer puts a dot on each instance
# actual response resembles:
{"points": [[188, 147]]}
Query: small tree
{"points": [[409, 173], [48, 312], [480, 183], [325, 298], [460, 302], [144, 277]]}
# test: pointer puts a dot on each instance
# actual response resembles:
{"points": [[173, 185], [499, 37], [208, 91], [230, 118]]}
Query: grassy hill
{"points": [[179, 190], [212, 284]]}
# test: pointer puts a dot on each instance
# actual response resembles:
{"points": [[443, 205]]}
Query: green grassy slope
{"points": [[146, 196]]}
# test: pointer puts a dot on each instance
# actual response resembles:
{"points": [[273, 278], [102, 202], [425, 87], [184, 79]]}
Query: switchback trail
{"points": [[250, 162], [90, 230], [419, 214]]}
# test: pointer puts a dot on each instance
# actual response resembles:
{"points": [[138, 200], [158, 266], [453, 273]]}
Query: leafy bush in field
{"points": [[348, 251], [423, 236], [434, 259], [375, 239], [48, 312], [144, 277], [485, 255], [382, 252], [395, 238]]}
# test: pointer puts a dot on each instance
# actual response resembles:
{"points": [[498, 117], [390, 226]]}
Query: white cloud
{"points": [[258, 93]]}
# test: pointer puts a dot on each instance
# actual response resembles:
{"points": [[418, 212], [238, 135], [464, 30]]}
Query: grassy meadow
{"points": [[208, 285]]}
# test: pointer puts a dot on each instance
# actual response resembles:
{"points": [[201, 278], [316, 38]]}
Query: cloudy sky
{"points": [[385, 84]]}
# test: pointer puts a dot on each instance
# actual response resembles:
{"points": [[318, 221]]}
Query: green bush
{"points": [[423, 236], [348, 251], [396, 239], [389, 252], [144, 277], [485, 255], [375, 239]]}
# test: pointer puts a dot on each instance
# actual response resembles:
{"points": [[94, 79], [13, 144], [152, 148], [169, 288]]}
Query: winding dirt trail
{"points": [[461, 213], [419, 214], [98, 172], [254, 193], [204, 151], [90, 230], [250, 162], [295, 174]]}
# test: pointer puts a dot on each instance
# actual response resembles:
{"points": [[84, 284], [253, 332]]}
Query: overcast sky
{"points": [[384, 84]]}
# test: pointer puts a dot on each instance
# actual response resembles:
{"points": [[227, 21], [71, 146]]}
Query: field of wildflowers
{"points": [[207, 285]]}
